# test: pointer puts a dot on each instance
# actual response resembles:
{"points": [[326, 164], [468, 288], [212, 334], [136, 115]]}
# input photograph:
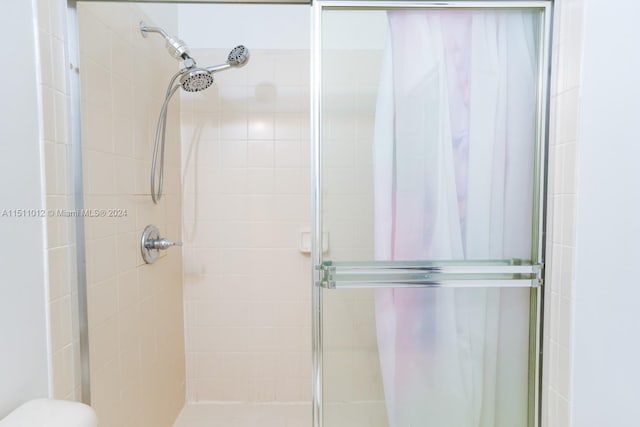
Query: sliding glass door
{"points": [[429, 147]]}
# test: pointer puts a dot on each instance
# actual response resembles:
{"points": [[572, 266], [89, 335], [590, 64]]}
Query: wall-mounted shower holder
{"points": [[151, 244]]}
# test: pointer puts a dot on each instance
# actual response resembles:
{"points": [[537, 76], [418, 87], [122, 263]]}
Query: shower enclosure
{"points": [[429, 181], [418, 166]]}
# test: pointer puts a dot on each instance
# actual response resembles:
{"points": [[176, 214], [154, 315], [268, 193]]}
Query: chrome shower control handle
{"points": [[151, 244], [161, 243]]}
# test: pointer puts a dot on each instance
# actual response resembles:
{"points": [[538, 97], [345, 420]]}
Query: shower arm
{"points": [[176, 47], [145, 29]]}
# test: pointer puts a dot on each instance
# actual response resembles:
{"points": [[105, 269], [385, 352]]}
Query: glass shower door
{"points": [[429, 150]]}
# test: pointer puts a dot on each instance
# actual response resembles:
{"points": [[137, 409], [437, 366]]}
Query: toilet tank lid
{"points": [[51, 413]]}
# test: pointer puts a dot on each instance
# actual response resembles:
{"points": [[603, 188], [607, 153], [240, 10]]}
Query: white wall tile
{"points": [[135, 310], [62, 371], [62, 269], [239, 314], [560, 281], [261, 126], [289, 126], [234, 154], [260, 154], [103, 298]]}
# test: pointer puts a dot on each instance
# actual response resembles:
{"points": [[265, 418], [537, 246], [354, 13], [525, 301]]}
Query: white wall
{"points": [[607, 317], [164, 15], [277, 27], [255, 26], [23, 359]]}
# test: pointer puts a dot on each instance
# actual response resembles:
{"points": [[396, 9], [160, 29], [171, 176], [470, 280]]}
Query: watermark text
{"points": [[63, 213]]}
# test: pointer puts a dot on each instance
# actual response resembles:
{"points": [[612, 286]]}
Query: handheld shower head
{"points": [[238, 56], [196, 79], [192, 79]]}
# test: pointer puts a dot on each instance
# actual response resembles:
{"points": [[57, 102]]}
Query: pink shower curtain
{"points": [[453, 178]]}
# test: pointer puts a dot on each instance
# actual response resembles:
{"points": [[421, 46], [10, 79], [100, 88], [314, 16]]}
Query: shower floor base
{"points": [[224, 414]]}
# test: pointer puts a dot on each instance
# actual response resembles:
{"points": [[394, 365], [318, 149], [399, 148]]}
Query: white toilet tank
{"points": [[51, 413]]}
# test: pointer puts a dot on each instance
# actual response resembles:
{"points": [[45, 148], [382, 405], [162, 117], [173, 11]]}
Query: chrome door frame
{"points": [[540, 179]]}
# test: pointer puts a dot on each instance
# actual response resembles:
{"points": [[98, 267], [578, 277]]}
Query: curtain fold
{"points": [[453, 170]]}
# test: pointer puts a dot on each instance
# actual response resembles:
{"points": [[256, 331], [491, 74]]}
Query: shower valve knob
{"points": [[151, 244], [161, 244]]}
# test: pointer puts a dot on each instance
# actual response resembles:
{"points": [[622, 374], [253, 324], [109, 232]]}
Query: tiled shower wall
{"points": [[136, 335], [63, 297], [559, 299], [246, 200], [246, 185]]}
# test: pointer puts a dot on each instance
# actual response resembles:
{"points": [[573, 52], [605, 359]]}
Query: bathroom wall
{"points": [[560, 286], [24, 366], [136, 335], [246, 199], [58, 167], [258, 26], [162, 14], [606, 323]]}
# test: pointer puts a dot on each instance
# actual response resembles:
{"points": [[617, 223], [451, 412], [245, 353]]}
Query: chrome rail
{"points": [[430, 274]]}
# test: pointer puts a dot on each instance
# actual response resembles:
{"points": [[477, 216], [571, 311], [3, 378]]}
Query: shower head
{"points": [[196, 79], [238, 56], [192, 79]]}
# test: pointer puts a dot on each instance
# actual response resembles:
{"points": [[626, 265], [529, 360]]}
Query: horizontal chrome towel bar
{"points": [[430, 274]]}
